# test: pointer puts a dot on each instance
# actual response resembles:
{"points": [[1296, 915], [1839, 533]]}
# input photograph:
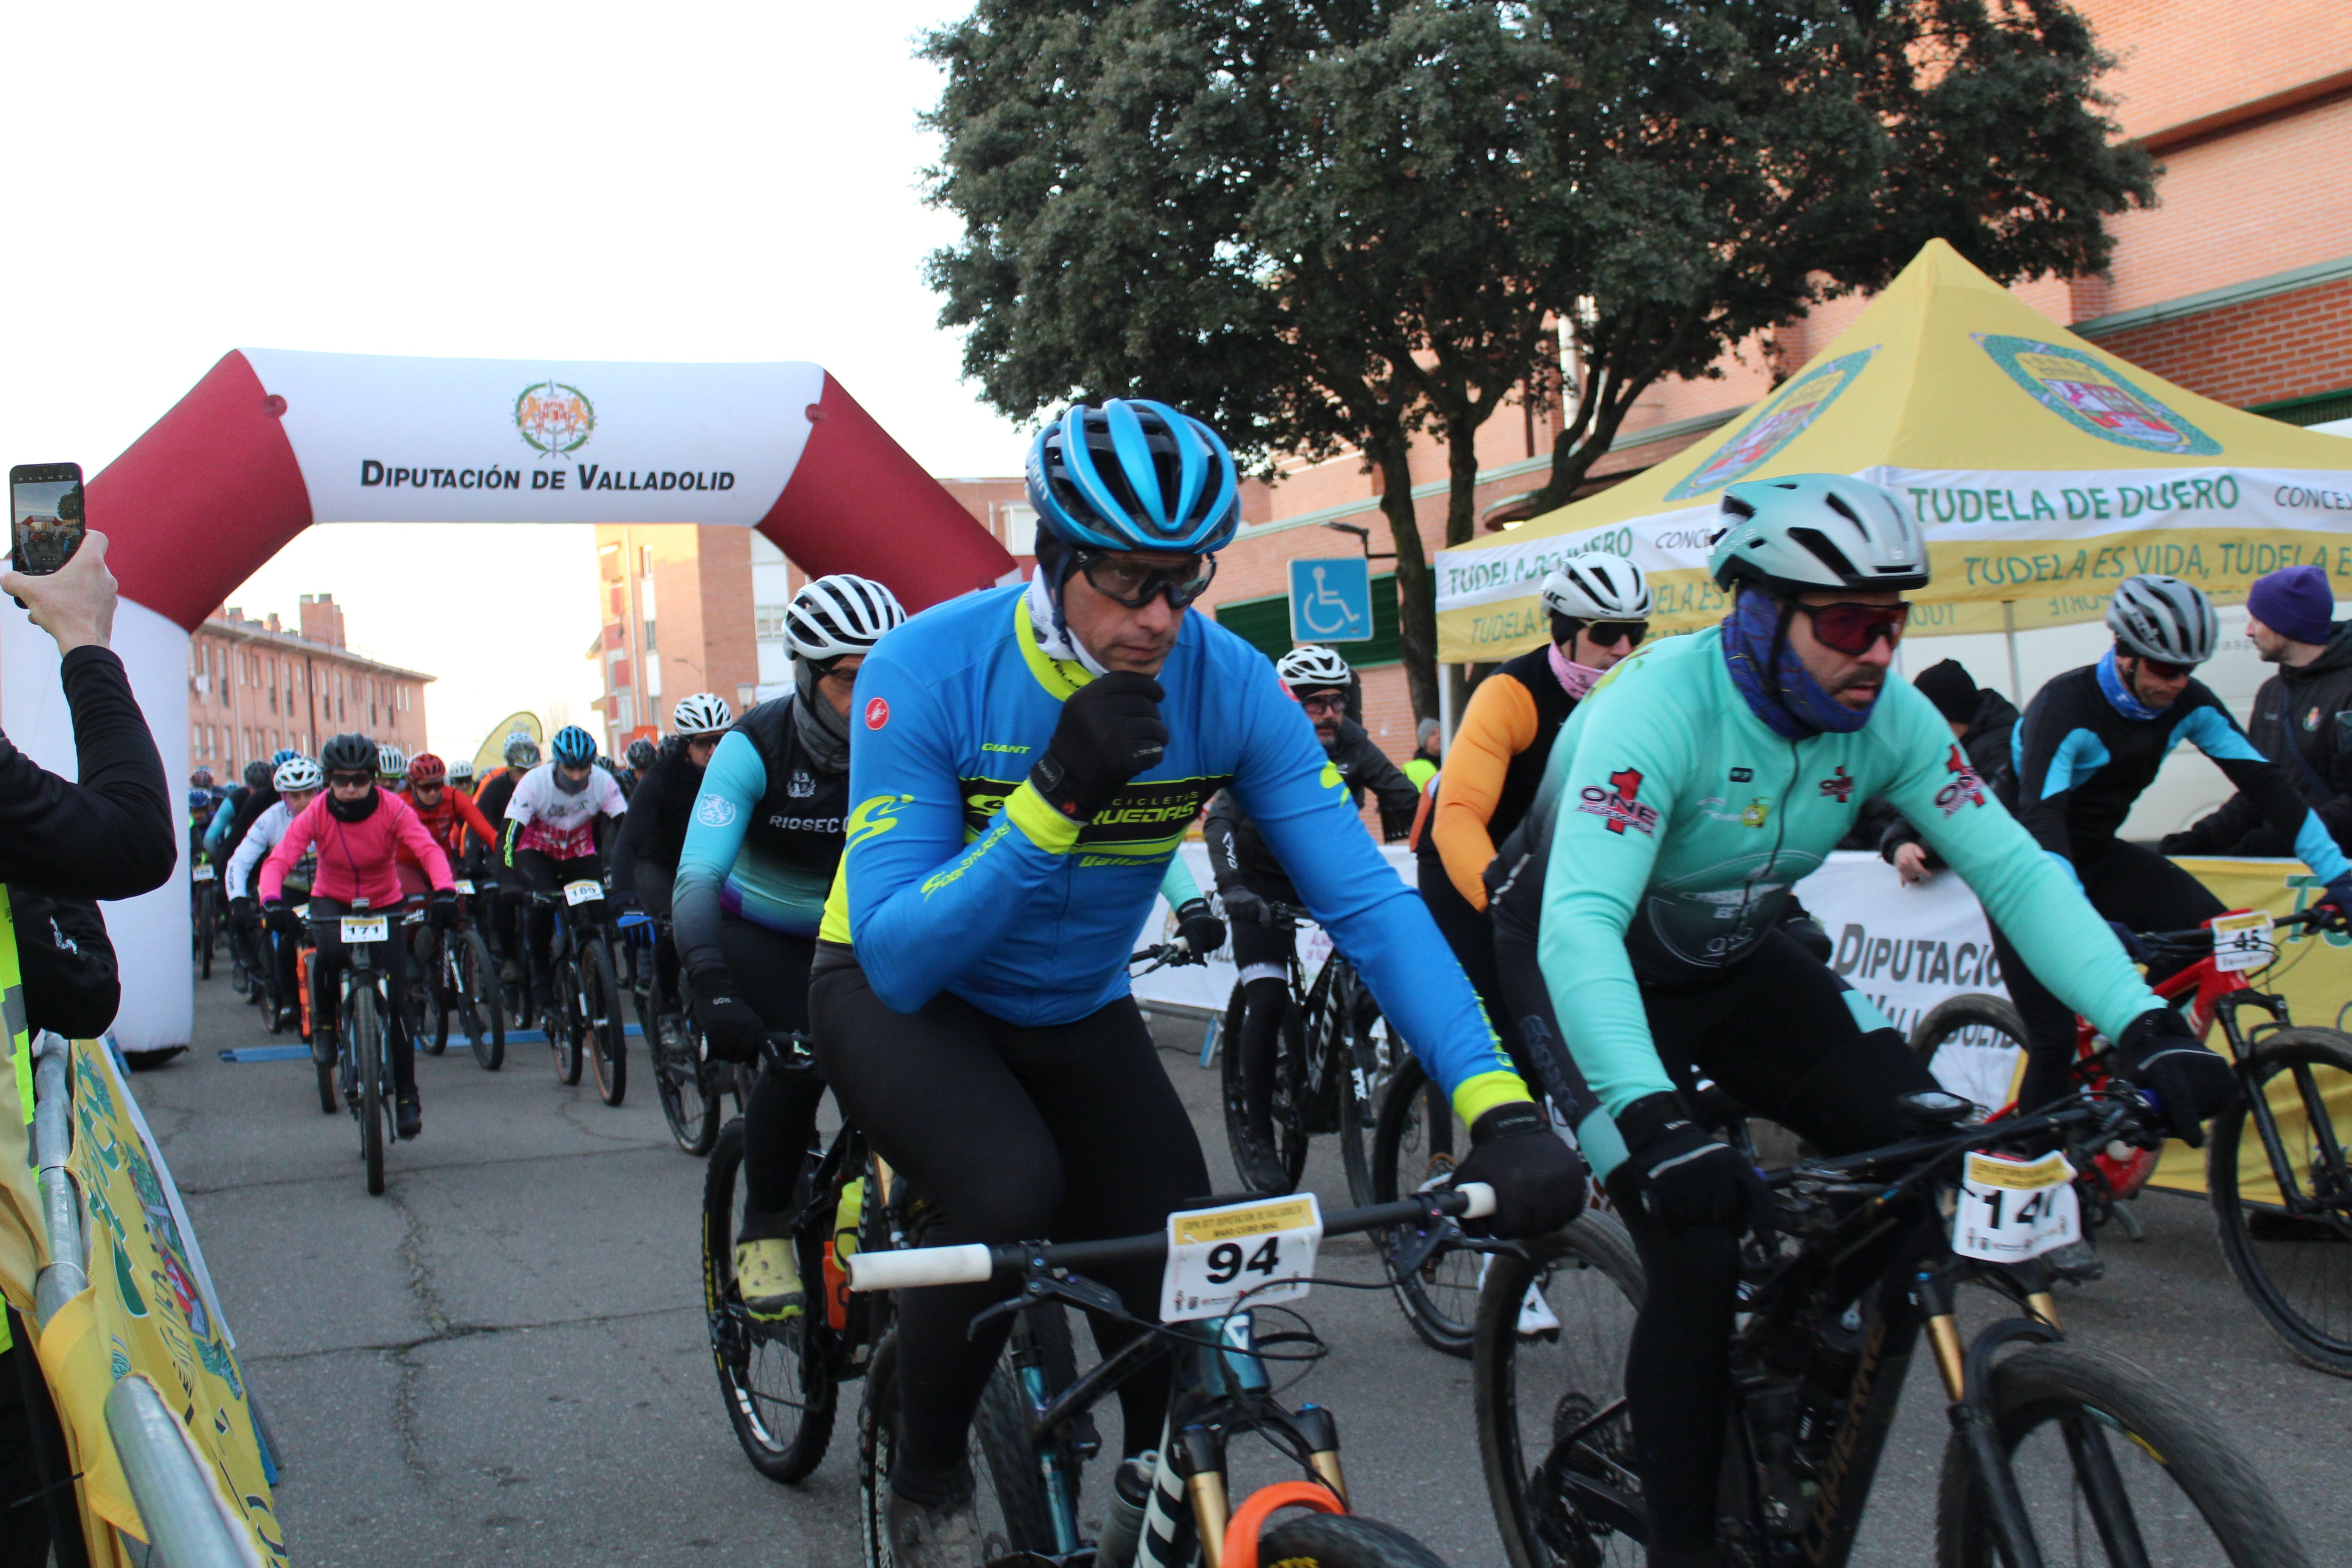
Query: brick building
{"points": [[255, 686], [2237, 285]]}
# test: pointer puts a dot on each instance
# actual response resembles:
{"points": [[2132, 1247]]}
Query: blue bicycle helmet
{"points": [[1134, 475], [281, 756], [572, 746], [200, 800]]}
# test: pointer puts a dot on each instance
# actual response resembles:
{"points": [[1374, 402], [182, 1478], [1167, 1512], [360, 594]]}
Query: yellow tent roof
{"points": [[2041, 467]]}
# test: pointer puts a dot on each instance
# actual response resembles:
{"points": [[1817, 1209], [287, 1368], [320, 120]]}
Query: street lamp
{"points": [[1363, 537]]}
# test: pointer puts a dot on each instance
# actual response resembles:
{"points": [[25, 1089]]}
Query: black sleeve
{"points": [[646, 809], [1224, 855], [112, 834], [71, 983], [2044, 814], [1400, 802], [606, 829]]}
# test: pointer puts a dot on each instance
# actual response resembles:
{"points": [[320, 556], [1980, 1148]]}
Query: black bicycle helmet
{"points": [[641, 753], [256, 772], [349, 753]]}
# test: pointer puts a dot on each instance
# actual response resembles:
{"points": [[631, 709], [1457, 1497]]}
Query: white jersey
{"points": [[559, 824], [258, 841]]}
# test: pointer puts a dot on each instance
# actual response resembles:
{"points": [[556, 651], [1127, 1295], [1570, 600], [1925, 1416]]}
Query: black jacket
{"points": [[653, 831], [1237, 852], [2312, 706], [1986, 742]]}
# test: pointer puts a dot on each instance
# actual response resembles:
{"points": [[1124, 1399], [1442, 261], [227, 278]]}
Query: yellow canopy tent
{"points": [[2043, 469]]}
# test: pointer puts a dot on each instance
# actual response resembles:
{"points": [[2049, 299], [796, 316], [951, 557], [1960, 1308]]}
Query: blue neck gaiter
{"points": [[2119, 695], [1779, 689]]}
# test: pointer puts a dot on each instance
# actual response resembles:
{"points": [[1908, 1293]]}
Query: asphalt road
{"points": [[503, 1358]]}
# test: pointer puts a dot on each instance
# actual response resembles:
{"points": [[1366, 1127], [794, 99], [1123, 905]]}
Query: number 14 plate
{"points": [[1264, 1249], [2011, 1210]]}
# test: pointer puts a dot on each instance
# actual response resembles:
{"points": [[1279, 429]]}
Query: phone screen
{"points": [[46, 516]]}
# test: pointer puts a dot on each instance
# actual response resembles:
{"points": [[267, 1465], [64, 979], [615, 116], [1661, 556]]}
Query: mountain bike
{"points": [[205, 913], [364, 1014], [1334, 1055], [1169, 1507], [692, 1091], [2277, 1173], [2059, 1453], [454, 980], [582, 1014], [780, 1381]]}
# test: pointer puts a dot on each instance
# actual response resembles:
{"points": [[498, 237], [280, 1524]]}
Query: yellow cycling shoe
{"points": [[769, 1279]]}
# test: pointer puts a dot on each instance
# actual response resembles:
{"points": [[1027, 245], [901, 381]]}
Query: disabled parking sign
{"points": [[1331, 600]]}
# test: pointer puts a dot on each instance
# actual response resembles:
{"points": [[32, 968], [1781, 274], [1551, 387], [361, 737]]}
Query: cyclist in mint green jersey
{"points": [[1638, 905], [1027, 761]]}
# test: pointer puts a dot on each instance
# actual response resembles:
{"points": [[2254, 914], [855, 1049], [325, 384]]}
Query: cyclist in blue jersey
{"points": [[1637, 910], [1027, 761]]}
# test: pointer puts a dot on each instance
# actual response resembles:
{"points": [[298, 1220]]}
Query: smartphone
{"points": [[44, 510]]}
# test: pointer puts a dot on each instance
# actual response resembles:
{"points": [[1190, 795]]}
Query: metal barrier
{"points": [[65, 1276]]}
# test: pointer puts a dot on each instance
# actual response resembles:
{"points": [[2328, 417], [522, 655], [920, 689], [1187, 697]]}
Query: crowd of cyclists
{"points": [[934, 857]]}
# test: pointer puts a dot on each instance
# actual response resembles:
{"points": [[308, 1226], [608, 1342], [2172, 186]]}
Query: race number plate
{"points": [[205, 873], [366, 928], [2243, 941], [2011, 1210], [1264, 1249], [465, 888], [582, 892]]}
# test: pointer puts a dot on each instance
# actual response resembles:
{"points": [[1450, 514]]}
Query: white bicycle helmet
{"points": [[1311, 667], [298, 773], [1810, 531], [704, 713], [391, 762], [1598, 588], [2163, 618], [843, 613]]}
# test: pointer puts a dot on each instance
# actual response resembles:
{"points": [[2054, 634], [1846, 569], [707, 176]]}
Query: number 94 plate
{"points": [[1264, 1249]]}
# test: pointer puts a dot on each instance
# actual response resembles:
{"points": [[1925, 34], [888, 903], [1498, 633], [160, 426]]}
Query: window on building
{"points": [[644, 560], [768, 622], [650, 642], [1020, 528], [1264, 625]]}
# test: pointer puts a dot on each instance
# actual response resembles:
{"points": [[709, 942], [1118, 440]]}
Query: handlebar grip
{"points": [[907, 1267], [1481, 1199]]}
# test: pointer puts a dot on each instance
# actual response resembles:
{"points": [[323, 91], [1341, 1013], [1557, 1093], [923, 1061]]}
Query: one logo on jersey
{"points": [[877, 815], [1617, 805], [803, 786], [1839, 785], [1757, 811], [1967, 787], [878, 713], [714, 810], [1743, 775], [2311, 722]]}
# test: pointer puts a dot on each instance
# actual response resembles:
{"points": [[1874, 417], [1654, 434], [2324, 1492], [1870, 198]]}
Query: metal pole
{"points": [[2016, 681], [1445, 710], [187, 1524], [64, 1277]]}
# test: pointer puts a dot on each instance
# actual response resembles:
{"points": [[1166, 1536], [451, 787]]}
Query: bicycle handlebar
{"points": [[2317, 915], [976, 1263]]}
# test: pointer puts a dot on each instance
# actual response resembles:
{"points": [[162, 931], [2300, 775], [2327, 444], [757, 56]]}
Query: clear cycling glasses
{"points": [[1126, 581]]}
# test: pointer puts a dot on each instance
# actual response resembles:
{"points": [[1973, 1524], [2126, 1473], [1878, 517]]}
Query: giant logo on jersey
{"points": [[1617, 805]]}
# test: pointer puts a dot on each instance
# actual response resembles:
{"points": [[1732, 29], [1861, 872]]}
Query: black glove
{"points": [[731, 1026], [240, 910], [1202, 932], [1245, 907], [1676, 1173], [1109, 731], [1538, 1181], [273, 905], [441, 909], [2191, 1083], [2134, 949]]}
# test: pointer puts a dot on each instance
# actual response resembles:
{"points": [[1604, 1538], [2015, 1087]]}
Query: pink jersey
{"points": [[355, 859]]}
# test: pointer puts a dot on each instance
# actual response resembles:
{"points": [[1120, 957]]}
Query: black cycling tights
{"points": [[536, 871], [770, 971], [1778, 1035], [1067, 1131], [2123, 882], [326, 971]]}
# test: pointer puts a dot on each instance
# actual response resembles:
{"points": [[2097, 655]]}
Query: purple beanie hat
{"points": [[2297, 603]]}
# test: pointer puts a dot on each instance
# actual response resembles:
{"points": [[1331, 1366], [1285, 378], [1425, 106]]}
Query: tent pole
{"points": [[1444, 709], [2016, 682]]}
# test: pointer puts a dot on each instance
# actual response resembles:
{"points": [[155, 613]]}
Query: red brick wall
{"points": [[2265, 351]]}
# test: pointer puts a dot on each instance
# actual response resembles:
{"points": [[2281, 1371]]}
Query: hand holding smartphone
{"points": [[47, 522]]}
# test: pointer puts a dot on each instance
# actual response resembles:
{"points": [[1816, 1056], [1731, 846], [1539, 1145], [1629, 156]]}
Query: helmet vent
{"points": [[1837, 504], [1829, 554]]}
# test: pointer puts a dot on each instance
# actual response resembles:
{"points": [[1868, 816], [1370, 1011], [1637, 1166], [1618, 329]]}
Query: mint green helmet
{"points": [[1806, 532]]}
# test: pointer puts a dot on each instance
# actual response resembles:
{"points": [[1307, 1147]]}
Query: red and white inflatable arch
{"points": [[271, 442]]}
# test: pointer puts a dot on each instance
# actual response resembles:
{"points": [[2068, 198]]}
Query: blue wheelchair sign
{"points": [[1331, 600]]}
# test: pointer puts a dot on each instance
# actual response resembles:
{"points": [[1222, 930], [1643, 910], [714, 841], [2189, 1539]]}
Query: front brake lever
{"points": [[1083, 1294]]}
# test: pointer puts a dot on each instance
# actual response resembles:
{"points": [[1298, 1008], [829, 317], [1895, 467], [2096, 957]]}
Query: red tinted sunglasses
{"points": [[1853, 628], [2164, 670]]}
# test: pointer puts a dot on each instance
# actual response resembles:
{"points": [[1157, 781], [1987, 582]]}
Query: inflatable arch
{"points": [[271, 442]]}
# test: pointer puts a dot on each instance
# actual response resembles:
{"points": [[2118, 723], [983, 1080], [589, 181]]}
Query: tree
{"points": [[1325, 224]]}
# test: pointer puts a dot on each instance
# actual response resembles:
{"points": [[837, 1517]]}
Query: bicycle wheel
{"points": [[562, 1019], [775, 1378], [1010, 1494], [1342, 1540], [1968, 1026], [1287, 1115], [206, 929], [1413, 1145], [602, 1022], [1553, 1432], [689, 1103], [428, 999], [363, 1037], [2286, 1227], [481, 1011], [2112, 1468], [1370, 1050]]}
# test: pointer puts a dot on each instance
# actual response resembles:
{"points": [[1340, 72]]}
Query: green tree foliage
{"points": [[1325, 224]]}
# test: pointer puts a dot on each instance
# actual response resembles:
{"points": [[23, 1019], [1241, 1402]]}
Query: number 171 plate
{"points": [[1264, 1249]]}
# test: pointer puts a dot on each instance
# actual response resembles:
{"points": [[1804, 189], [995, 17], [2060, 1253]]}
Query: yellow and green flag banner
{"points": [[2043, 471]]}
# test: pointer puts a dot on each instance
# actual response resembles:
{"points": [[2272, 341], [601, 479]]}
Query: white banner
{"points": [[1207, 988], [384, 439]]}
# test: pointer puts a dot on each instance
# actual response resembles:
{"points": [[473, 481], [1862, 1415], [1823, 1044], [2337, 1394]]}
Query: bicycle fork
{"points": [[1967, 1382]]}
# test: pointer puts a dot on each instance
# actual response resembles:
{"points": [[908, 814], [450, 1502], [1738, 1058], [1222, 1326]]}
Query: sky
{"points": [[685, 183]]}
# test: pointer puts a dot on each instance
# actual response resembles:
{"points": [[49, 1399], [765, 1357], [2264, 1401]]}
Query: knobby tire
{"points": [[606, 1030], [2266, 1247], [784, 1435], [1413, 1142], [362, 1032]]}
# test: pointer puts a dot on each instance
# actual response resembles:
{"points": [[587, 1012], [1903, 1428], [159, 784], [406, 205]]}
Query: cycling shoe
{"points": [[770, 1278]]}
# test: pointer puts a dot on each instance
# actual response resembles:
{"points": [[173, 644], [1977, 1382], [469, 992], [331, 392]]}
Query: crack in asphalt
{"points": [[564, 1113], [397, 1349], [436, 1318]]}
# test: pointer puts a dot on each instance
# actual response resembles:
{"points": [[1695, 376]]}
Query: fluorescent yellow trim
{"points": [[1043, 825], [835, 926], [1481, 1092], [1060, 677]]}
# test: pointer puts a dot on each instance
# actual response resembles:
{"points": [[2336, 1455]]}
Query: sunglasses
{"points": [[1326, 703], [1609, 634], [1127, 582], [1853, 628], [2164, 670], [425, 788], [350, 779]]}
